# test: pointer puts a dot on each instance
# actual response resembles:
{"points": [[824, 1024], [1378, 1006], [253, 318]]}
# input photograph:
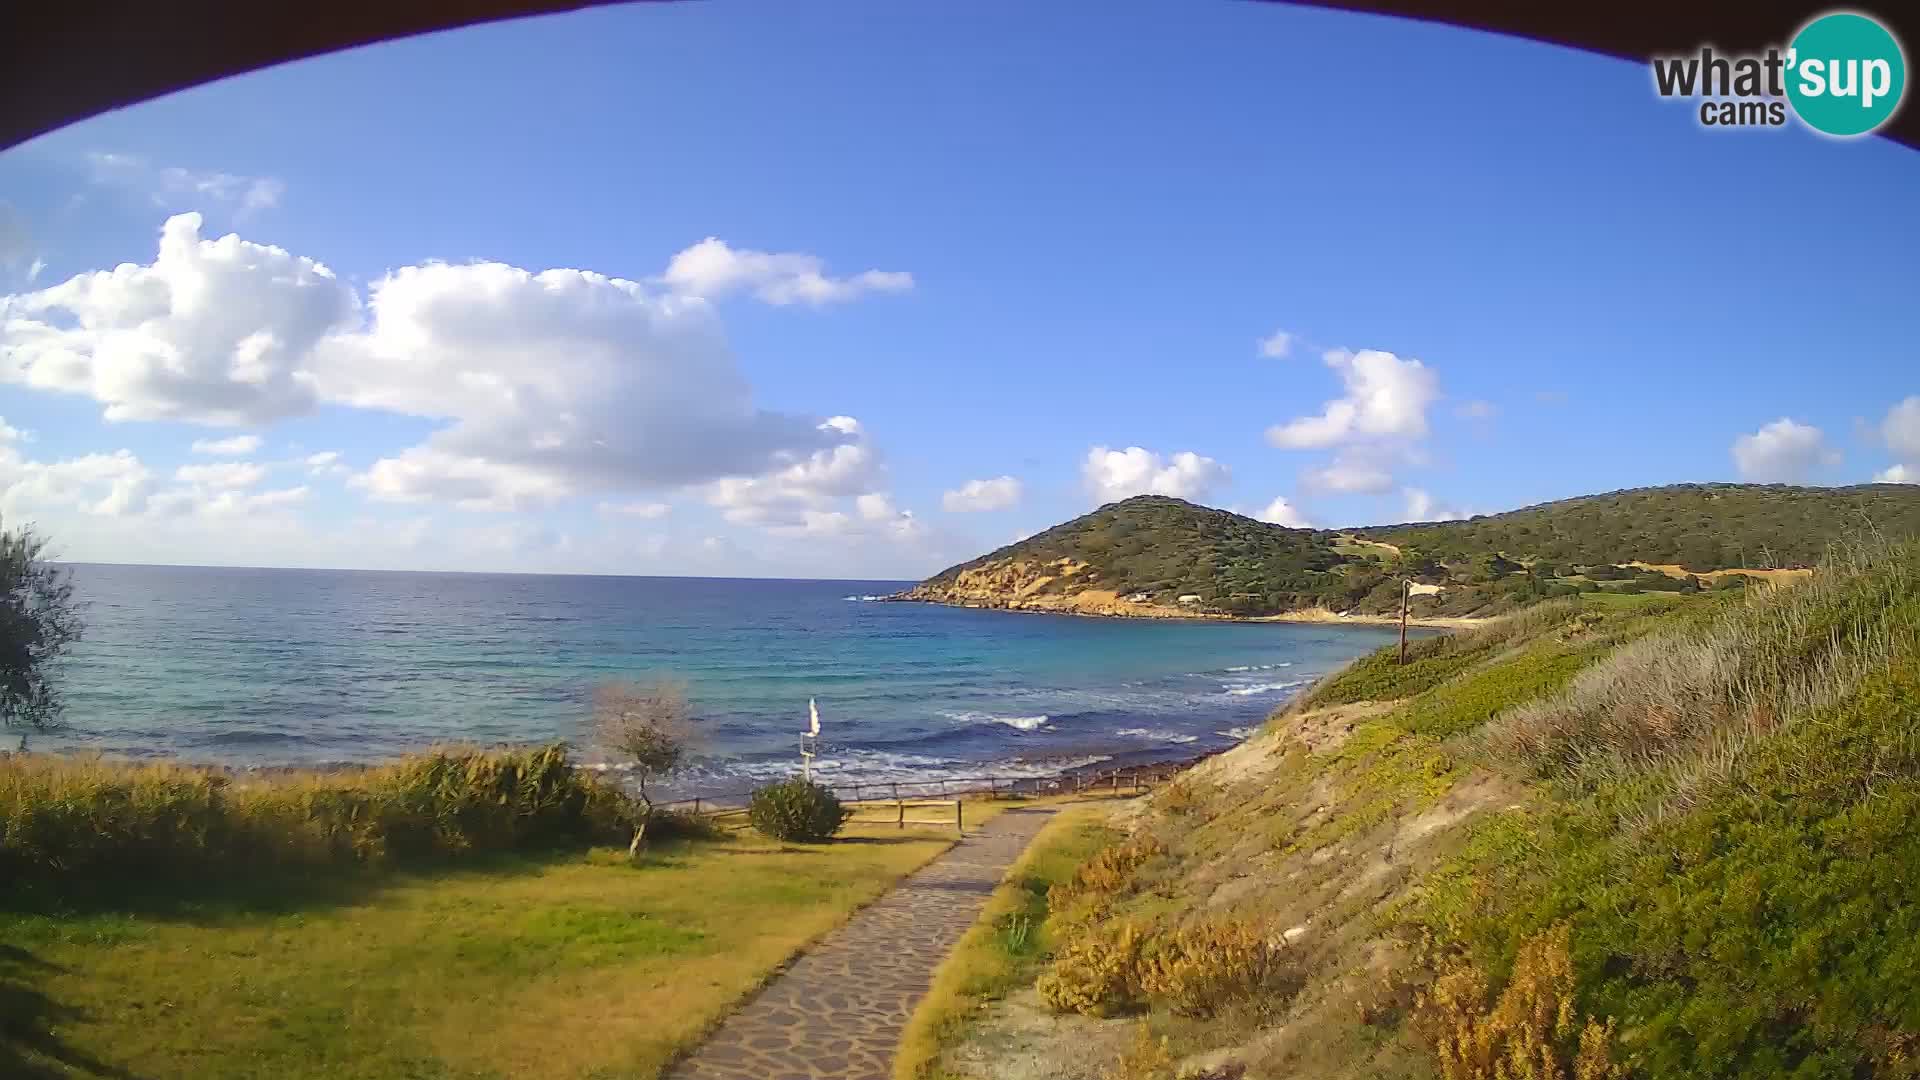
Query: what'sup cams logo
{"points": [[1843, 74]]}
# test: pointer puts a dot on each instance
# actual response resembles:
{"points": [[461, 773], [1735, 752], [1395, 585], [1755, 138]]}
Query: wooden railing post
{"points": [[900, 805], [696, 806], [959, 822]]}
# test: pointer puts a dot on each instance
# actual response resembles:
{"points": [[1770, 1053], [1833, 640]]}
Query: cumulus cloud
{"points": [[631, 390], [172, 186], [1350, 473], [974, 496], [1276, 345], [712, 269], [210, 332], [1117, 474], [225, 474], [1898, 474], [236, 446], [1422, 506], [1782, 452], [107, 485], [1282, 512], [1386, 398], [1901, 432], [543, 385]]}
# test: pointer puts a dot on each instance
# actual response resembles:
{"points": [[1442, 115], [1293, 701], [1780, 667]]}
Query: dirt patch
{"points": [[1019, 1038], [1674, 570], [1323, 730]]}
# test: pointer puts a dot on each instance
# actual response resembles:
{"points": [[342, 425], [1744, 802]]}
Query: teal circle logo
{"points": [[1845, 74]]}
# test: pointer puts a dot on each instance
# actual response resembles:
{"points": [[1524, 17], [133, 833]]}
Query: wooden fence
{"points": [[893, 798]]}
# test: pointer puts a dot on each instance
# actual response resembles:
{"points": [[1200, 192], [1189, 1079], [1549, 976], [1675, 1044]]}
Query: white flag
{"points": [[813, 711]]}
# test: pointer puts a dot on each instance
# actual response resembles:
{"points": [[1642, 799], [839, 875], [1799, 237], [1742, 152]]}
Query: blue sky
{"points": [[972, 270]]}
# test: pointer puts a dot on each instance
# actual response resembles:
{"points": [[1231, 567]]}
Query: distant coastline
{"points": [[1050, 605]]}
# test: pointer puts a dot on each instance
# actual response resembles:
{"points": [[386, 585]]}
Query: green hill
{"points": [[1671, 841], [1157, 556], [1697, 526]]}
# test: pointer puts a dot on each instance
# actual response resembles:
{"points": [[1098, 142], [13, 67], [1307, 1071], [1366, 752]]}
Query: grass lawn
{"points": [[571, 965], [1004, 949]]}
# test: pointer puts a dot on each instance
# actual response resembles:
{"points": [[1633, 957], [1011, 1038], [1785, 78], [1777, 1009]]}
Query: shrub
{"points": [[797, 811], [69, 820], [1097, 973], [1198, 969], [1532, 1032], [645, 723], [1146, 1058], [1104, 876], [39, 621]]}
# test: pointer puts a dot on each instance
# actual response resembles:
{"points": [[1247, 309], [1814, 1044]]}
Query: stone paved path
{"points": [[836, 1013]]}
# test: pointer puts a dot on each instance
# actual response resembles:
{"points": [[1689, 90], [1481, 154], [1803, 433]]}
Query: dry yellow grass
{"points": [[570, 965]]}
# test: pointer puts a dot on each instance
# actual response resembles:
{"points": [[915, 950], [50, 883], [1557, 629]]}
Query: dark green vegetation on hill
{"points": [[1662, 839], [1697, 526], [1156, 549]]}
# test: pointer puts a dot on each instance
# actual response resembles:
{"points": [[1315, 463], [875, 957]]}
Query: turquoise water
{"points": [[271, 667]]}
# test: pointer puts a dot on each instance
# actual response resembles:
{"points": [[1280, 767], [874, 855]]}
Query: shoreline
{"points": [[1302, 616], [1029, 783]]}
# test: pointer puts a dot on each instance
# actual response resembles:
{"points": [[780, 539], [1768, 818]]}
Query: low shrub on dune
{"points": [[72, 819]]}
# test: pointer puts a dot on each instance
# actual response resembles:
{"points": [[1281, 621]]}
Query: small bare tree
{"points": [[645, 723]]}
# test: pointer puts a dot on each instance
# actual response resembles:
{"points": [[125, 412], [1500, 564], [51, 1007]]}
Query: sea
{"points": [[269, 667]]}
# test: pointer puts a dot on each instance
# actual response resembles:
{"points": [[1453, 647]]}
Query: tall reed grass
{"points": [[73, 819], [1673, 713]]}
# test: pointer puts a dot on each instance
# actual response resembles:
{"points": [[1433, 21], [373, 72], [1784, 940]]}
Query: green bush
{"points": [[68, 820], [797, 811]]}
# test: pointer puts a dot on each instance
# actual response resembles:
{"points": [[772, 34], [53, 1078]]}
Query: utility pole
{"points": [[1406, 590]]}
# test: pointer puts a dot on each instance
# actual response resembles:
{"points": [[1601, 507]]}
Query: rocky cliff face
{"points": [[1015, 584]]}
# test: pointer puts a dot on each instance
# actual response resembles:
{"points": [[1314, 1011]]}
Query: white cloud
{"points": [[1282, 512], [973, 496], [647, 511], [34, 268], [1350, 473], [175, 187], [544, 385], [1782, 452], [222, 475], [1898, 474], [632, 390], [210, 332], [325, 463], [424, 473], [106, 485], [1477, 410], [799, 484], [1117, 474], [1901, 429], [1276, 345], [233, 447], [1422, 506], [1386, 398], [713, 269]]}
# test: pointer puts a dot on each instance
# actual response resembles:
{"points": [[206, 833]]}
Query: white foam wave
{"points": [[847, 767], [867, 599], [1262, 667], [1158, 735], [1021, 723], [1241, 733], [1262, 688]]}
